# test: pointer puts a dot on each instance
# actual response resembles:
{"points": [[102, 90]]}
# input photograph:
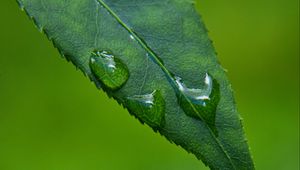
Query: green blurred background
{"points": [[53, 118]]}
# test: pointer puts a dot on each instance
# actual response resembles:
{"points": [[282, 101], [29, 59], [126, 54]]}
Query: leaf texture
{"points": [[155, 58]]}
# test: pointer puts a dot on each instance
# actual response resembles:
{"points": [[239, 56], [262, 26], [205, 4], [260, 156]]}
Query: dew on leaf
{"points": [[200, 103], [148, 108], [131, 37], [108, 69]]}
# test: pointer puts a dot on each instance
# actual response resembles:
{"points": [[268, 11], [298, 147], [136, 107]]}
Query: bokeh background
{"points": [[53, 118]]}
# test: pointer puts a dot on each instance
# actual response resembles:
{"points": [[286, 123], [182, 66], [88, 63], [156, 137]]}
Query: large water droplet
{"points": [[148, 108], [204, 100], [108, 69]]}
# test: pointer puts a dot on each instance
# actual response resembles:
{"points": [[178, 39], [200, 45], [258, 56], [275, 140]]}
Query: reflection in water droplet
{"points": [[148, 108], [204, 100], [108, 69], [199, 96]]}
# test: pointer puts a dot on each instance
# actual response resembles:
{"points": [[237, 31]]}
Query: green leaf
{"points": [[155, 58]]}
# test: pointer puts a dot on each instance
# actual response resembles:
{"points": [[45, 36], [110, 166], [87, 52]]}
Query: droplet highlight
{"points": [[108, 69], [148, 108], [200, 103], [132, 37]]}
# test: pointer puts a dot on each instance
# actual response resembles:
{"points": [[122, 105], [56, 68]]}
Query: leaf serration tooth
{"points": [[20, 4]]}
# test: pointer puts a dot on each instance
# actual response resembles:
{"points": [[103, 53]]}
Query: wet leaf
{"points": [[155, 58]]}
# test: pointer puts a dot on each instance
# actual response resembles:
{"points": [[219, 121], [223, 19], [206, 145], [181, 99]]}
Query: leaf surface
{"points": [[155, 58]]}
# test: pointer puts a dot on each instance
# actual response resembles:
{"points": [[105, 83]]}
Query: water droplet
{"points": [[132, 37], [148, 108], [108, 69], [205, 100]]}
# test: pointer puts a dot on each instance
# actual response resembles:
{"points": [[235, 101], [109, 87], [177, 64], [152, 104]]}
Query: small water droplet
{"points": [[108, 69], [148, 108], [132, 37], [205, 100]]}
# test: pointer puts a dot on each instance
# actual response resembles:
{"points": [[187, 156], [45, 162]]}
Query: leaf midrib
{"points": [[165, 70]]}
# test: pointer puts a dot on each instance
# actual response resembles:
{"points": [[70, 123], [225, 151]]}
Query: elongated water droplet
{"points": [[108, 69], [204, 100], [132, 37], [148, 108]]}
